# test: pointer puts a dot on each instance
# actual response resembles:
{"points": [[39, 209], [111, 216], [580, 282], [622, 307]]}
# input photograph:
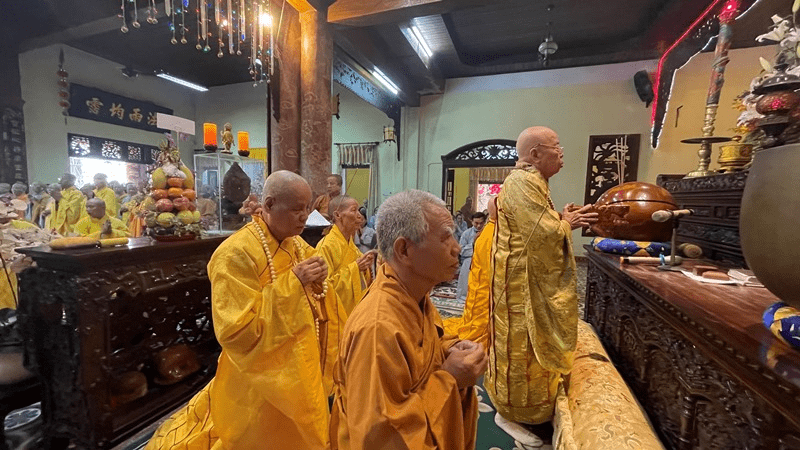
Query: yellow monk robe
{"points": [[534, 309], [89, 226], [391, 392], [474, 324], [73, 206], [267, 392], [107, 195], [8, 279], [344, 277]]}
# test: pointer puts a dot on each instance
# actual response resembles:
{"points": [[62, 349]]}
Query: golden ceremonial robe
{"points": [[107, 195], [267, 392], [37, 207], [73, 206], [89, 226], [534, 314], [391, 392], [473, 325]]}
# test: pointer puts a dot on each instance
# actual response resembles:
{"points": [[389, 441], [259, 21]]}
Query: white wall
{"points": [[45, 130], [576, 103], [361, 122]]}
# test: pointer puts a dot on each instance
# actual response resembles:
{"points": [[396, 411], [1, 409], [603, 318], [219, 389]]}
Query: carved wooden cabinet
{"points": [[708, 373], [714, 226], [89, 316]]}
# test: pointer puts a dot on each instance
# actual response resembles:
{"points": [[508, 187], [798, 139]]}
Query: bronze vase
{"points": [[769, 220]]}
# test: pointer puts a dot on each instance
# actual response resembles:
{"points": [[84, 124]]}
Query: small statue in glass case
{"points": [[227, 138]]}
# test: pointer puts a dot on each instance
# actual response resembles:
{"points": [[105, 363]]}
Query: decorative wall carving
{"points": [[613, 160], [13, 159], [488, 153], [693, 401]]}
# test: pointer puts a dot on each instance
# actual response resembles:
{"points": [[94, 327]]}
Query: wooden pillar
{"points": [[286, 131], [315, 97]]}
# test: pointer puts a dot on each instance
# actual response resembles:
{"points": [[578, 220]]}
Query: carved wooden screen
{"points": [[613, 160], [489, 153]]}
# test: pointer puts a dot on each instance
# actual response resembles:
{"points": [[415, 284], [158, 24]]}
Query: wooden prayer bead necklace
{"points": [[315, 311]]}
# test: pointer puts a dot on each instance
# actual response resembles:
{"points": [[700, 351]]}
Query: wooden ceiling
{"points": [[468, 37]]}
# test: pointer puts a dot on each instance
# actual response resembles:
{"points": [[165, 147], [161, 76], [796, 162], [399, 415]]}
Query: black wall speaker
{"points": [[643, 87]]}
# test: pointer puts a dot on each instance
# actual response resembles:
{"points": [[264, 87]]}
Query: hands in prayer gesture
{"points": [[365, 261], [579, 216], [312, 271], [466, 361]]}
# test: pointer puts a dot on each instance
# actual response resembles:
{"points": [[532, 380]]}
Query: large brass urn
{"points": [[770, 220]]}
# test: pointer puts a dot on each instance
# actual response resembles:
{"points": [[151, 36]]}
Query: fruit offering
{"points": [[171, 207]]}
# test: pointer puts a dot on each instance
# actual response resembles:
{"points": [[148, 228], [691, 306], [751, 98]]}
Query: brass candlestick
{"points": [[726, 18]]}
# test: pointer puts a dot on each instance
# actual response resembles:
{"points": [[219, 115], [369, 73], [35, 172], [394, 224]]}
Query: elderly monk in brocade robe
{"points": [[98, 223], [334, 189], [473, 325], [399, 383], [534, 298], [268, 296]]}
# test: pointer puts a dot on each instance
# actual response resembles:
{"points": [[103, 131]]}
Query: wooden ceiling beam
{"points": [[308, 5], [362, 13]]}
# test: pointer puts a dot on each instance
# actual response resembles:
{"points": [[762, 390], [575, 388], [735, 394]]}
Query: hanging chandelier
{"points": [[238, 26], [548, 45]]}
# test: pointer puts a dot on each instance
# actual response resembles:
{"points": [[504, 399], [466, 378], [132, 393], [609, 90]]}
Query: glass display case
{"points": [[222, 182]]}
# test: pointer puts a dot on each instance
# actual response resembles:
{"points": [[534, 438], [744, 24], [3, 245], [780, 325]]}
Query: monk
{"points": [[267, 301], [334, 189], [474, 324], [399, 383], [103, 191], [348, 267], [39, 200], [65, 211], [534, 297], [98, 223]]}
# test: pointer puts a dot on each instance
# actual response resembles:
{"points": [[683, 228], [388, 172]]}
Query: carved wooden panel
{"points": [[716, 201], [613, 160], [84, 328], [692, 398]]}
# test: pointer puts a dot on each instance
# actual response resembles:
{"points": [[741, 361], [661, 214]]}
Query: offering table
{"points": [[708, 373], [99, 322]]}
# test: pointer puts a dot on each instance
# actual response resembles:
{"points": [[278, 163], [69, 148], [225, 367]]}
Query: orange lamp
{"points": [[244, 143], [210, 136], [244, 140]]}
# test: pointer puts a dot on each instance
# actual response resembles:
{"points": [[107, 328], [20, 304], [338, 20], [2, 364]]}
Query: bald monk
{"points": [[333, 190], [266, 287], [348, 269], [399, 383], [534, 297], [65, 211], [474, 324], [103, 191], [98, 223]]}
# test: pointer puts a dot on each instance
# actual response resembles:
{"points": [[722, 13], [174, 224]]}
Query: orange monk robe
{"points": [[267, 392], [321, 204], [391, 391], [474, 324], [66, 213]]}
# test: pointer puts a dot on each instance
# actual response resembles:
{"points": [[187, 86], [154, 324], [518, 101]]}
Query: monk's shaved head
{"points": [[339, 203], [96, 207], [287, 196], [282, 183], [530, 138]]}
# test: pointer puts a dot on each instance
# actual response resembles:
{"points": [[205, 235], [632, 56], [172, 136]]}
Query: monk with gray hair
{"points": [[398, 382]]}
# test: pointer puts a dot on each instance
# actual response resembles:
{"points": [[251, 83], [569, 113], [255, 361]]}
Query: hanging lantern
{"points": [[388, 134]]}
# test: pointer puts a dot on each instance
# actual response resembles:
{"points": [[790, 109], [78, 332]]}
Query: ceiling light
{"points": [[196, 87], [421, 41], [385, 81]]}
